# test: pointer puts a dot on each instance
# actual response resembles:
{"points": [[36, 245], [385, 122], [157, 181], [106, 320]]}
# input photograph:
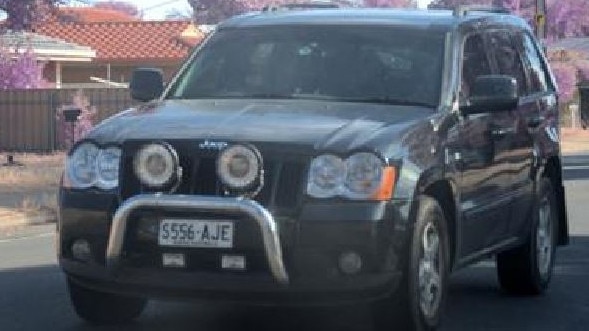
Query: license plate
{"points": [[196, 233]]}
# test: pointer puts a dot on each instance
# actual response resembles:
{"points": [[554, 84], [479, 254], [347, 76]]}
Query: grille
{"points": [[283, 175]]}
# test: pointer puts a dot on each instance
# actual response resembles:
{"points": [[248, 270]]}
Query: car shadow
{"points": [[35, 298]]}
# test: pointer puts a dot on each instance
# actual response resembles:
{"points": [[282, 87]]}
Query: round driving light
{"points": [[239, 166], [81, 250], [350, 263], [156, 165]]}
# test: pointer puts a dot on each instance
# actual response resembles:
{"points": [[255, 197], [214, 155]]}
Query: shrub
{"points": [[82, 126]]}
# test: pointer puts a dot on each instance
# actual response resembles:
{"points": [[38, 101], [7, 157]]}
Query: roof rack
{"points": [[466, 9], [303, 5]]}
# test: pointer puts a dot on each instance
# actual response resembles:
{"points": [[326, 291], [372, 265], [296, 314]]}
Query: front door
{"points": [[483, 151]]}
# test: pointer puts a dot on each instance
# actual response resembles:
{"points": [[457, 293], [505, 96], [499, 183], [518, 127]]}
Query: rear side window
{"points": [[507, 58], [539, 78]]}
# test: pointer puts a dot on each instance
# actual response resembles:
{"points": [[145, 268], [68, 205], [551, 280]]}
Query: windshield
{"points": [[380, 64]]}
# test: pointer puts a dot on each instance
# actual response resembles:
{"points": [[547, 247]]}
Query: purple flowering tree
{"points": [[20, 69], [65, 131], [120, 6], [23, 14], [388, 3], [564, 18]]}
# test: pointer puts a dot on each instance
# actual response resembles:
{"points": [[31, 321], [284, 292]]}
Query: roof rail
{"points": [[463, 10], [302, 5]]}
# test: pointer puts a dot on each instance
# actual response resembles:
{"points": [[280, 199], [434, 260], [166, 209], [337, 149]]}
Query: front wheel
{"points": [[527, 270], [102, 308], [418, 303]]}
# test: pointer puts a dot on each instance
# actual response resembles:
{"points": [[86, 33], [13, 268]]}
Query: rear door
{"points": [[537, 118]]}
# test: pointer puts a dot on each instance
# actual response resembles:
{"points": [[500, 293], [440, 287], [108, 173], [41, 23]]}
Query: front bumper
{"points": [[303, 269]]}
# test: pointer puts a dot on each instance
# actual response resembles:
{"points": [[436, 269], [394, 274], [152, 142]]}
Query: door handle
{"points": [[502, 132]]}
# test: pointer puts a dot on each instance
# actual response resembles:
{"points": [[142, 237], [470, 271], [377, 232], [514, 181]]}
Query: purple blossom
{"points": [[387, 3], [24, 14], [566, 78], [120, 6], [20, 70], [82, 126]]}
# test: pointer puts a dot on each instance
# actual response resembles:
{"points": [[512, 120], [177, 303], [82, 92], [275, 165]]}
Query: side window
{"points": [[507, 58], [475, 63], [539, 81]]}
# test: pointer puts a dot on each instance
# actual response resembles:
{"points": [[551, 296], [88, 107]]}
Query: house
{"points": [[122, 43], [54, 52]]}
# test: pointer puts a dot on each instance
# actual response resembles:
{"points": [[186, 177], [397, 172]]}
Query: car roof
{"points": [[441, 19]]}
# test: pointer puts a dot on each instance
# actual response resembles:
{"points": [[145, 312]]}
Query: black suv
{"points": [[319, 157]]}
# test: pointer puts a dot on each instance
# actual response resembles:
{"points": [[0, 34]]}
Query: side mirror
{"points": [[492, 93], [146, 84]]}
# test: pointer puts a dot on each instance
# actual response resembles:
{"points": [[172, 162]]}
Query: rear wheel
{"points": [[527, 270], [419, 301], [104, 308]]}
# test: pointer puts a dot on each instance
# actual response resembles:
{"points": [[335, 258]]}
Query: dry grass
{"points": [[35, 173], [28, 191]]}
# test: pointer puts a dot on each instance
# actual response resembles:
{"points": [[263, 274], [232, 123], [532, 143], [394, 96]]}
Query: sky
{"points": [[157, 9]]}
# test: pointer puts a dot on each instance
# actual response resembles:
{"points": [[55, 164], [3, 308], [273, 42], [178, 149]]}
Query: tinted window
{"points": [[507, 58], [378, 64], [538, 78], [475, 63]]}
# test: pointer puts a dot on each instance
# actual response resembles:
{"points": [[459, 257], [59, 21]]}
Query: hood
{"points": [[333, 126]]}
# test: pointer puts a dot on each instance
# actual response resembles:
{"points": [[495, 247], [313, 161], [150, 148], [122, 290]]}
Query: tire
{"points": [[409, 308], [102, 308], [527, 270]]}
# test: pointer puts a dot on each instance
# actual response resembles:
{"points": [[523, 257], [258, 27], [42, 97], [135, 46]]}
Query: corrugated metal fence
{"points": [[28, 117]]}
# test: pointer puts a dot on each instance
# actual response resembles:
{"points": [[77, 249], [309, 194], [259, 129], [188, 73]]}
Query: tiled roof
{"points": [[129, 41]]}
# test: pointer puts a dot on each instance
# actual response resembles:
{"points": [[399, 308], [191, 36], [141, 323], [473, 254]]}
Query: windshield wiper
{"points": [[390, 101]]}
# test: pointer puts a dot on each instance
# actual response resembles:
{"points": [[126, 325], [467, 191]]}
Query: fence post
{"points": [[584, 103]]}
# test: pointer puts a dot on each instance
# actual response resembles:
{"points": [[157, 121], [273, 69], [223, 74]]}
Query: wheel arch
{"points": [[444, 191]]}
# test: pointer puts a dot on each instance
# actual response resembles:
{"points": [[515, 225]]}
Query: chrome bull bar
{"points": [[263, 218]]}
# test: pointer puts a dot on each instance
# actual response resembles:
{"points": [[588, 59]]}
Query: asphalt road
{"points": [[33, 296]]}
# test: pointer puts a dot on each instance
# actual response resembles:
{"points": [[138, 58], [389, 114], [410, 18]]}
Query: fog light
{"points": [[81, 250], [350, 263]]}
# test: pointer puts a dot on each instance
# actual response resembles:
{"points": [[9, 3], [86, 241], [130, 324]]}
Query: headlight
{"points": [[239, 167], [157, 165], [326, 176], [362, 176], [107, 166], [81, 166]]}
